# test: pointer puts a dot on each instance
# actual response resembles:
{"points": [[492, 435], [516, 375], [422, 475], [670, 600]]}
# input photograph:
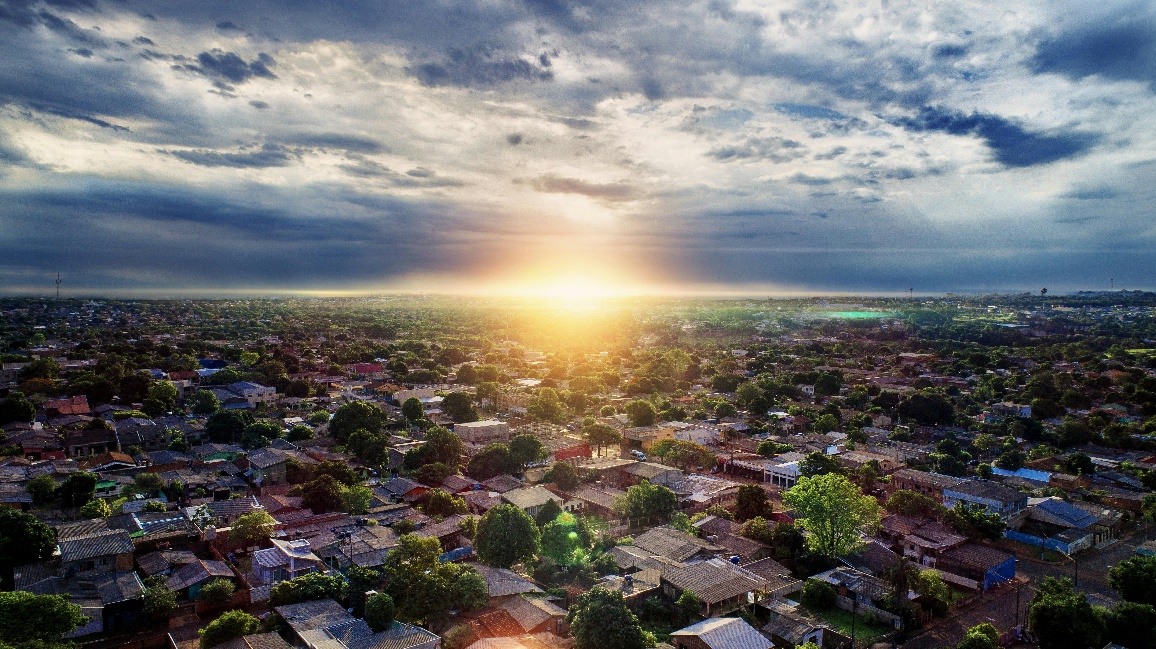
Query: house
{"points": [[307, 616], [720, 585], [790, 627], [921, 541], [187, 579], [654, 473], [502, 483], [284, 561], [163, 562], [976, 566], [362, 546], [253, 393], [531, 500], [483, 432], [720, 633], [355, 633], [67, 406], [1109, 522], [113, 601], [931, 485], [992, 496], [780, 581], [98, 551], [267, 466], [502, 583], [108, 461], [599, 500], [271, 640], [404, 489], [675, 545], [535, 614], [636, 588]]}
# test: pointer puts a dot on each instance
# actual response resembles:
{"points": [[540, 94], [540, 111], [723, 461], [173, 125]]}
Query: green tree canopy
{"points": [[601, 435], [645, 500], [252, 528], [160, 601], [1135, 579], [492, 460], [379, 612], [911, 503], [204, 402], [1062, 618], [819, 463], [834, 512], [30, 621], [460, 407], [683, 453], [77, 489], [524, 449], [233, 624], [16, 408], [440, 503], [641, 413], [751, 501], [975, 522], [41, 488], [323, 494], [227, 426], [354, 416], [506, 535], [566, 477], [599, 619], [307, 587], [561, 540], [443, 446], [412, 409]]}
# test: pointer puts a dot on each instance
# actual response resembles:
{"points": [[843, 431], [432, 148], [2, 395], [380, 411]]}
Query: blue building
{"points": [[976, 566]]}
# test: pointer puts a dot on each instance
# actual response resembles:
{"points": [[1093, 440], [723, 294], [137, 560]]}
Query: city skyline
{"points": [[576, 149]]}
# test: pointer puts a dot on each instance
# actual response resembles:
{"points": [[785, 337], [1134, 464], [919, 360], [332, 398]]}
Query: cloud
{"points": [[227, 66], [268, 155], [1091, 194], [774, 149], [554, 184], [337, 141], [480, 68], [1121, 46], [1012, 144]]}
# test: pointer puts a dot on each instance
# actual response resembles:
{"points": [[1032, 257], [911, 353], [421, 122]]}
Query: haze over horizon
{"points": [[557, 148]]}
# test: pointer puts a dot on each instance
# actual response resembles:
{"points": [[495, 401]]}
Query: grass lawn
{"points": [[866, 630]]}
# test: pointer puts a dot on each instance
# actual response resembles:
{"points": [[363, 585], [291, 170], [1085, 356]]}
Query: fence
{"points": [[846, 604]]}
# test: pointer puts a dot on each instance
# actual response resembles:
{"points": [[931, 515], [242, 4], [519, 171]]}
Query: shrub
{"points": [[818, 594]]}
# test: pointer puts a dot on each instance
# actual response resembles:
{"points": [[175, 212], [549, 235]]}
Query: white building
{"points": [[483, 432]]}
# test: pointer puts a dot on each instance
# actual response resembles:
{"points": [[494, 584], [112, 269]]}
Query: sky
{"points": [[569, 147]]}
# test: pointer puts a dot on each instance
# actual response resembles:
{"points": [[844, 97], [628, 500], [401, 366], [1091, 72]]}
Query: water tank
{"points": [[735, 559], [629, 579]]}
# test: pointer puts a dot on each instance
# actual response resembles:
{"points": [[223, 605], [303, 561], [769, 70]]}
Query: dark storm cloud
{"points": [[419, 177], [1012, 144], [68, 114], [479, 67], [268, 155], [1091, 194], [554, 184], [228, 66], [1121, 46]]}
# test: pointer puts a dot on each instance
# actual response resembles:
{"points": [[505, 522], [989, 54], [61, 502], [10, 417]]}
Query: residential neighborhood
{"points": [[761, 474]]}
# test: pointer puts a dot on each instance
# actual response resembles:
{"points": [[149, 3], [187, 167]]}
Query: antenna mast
{"points": [[58, 286]]}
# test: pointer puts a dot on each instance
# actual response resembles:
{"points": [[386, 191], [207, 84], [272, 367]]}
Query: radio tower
{"points": [[57, 287]]}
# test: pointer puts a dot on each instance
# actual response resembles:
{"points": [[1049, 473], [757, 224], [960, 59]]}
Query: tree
{"points": [[433, 474], [16, 408], [306, 588], [726, 410], [469, 591], [443, 446], [323, 494], [460, 407], [645, 500], [547, 512], [546, 406], [164, 393], [41, 488], [825, 424], [339, 471], [983, 636], [78, 489], [524, 449], [757, 529], [771, 448], [818, 594], [30, 621], [1079, 464], [641, 413], [975, 522], [259, 433], [1135, 579], [751, 502], [683, 453], [299, 433], [601, 435], [560, 539], [1130, 625], [440, 503], [253, 528], [914, 504], [379, 612], [149, 484], [827, 384], [425, 589], [227, 426], [354, 416], [490, 461], [599, 619], [506, 535], [412, 409], [928, 408], [96, 509], [204, 402], [819, 463], [160, 601], [356, 499], [566, 477], [217, 591], [233, 624], [788, 541], [689, 606], [834, 511], [1062, 618]]}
